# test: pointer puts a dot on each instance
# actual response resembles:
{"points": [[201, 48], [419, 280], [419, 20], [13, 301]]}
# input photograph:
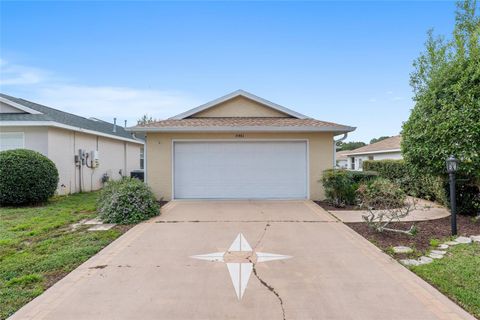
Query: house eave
{"points": [[64, 126], [373, 152], [242, 129]]}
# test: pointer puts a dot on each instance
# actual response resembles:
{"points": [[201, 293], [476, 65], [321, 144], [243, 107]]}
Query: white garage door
{"points": [[240, 170]]}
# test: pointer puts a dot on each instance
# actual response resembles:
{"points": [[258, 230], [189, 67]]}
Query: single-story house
{"points": [[239, 146], [385, 149], [85, 151], [341, 159]]}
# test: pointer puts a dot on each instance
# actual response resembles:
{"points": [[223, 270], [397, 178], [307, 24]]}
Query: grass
{"points": [[457, 275], [38, 247]]}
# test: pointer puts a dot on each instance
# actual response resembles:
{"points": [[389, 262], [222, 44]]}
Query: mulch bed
{"points": [[329, 207], [427, 230]]}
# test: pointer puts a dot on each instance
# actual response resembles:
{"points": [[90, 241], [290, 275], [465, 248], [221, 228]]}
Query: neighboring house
{"points": [[239, 146], [341, 159], [107, 149], [385, 149]]}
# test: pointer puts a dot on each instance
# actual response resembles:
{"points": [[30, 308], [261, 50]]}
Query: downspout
{"points": [[345, 135]]}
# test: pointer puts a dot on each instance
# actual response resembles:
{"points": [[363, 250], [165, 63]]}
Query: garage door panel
{"points": [[245, 170]]}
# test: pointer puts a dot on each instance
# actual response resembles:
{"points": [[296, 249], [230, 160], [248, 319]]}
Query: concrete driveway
{"points": [[304, 265]]}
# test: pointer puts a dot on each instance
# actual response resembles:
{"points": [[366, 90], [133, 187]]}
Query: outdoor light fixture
{"points": [[452, 167]]}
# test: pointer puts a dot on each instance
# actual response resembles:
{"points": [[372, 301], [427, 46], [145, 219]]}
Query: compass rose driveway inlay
{"points": [[240, 259], [298, 261]]}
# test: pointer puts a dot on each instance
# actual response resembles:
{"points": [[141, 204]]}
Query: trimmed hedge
{"points": [[26, 177], [126, 201], [381, 194], [340, 185]]}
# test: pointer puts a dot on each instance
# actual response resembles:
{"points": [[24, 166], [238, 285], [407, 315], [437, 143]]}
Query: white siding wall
{"points": [[377, 156], [36, 138], [116, 158]]}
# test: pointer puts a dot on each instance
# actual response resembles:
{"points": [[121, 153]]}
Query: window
{"points": [[11, 140], [370, 157], [360, 163], [352, 163], [142, 158]]}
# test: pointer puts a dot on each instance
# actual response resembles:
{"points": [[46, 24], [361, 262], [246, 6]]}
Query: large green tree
{"points": [[446, 83]]}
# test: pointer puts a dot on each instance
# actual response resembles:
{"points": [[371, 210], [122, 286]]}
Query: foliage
{"points": [[340, 185], [457, 276], [380, 193], [38, 246], [125, 201], [26, 177], [146, 119], [467, 196], [446, 116], [375, 140], [352, 145], [413, 183]]}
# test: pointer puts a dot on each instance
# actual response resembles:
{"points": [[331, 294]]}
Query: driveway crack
{"points": [[263, 282]]}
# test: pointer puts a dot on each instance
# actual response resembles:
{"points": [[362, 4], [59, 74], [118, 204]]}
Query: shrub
{"points": [[125, 201], [340, 185], [380, 194], [415, 184], [26, 177]]}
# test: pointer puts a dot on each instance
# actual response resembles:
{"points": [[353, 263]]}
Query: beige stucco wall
{"points": [[116, 158], [240, 107], [35, 137], [159, 157]]}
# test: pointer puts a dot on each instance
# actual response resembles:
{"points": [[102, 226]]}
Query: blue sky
{"points": [[346, 62]]}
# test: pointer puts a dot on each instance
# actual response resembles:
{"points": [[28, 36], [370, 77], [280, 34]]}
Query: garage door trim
{"points": [[307, 155]]}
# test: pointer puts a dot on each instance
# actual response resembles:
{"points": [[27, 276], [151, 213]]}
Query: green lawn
{"points": [[38, 247], [457, 275]]}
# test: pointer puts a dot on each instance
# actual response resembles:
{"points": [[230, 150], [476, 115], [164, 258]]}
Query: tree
{"points": [[146, 119], [342, 146], [375, 140], [446, 86]]}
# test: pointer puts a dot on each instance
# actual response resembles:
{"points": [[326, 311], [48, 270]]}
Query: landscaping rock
{"points": [[475, 238], [463, 240], [435, 255], [102, 227], [402, 249], [443, 246], [425, 260], [409, 262], [442, 252], [452, 243]]}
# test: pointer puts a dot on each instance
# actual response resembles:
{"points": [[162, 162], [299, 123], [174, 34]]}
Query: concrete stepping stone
{"points": [[93, 221], [410, 262], [425, 260], [475, 238], [452, 243], [443, 246], [402, 249], [435, 255], [102, 227], [442, 252], [463, 240]]}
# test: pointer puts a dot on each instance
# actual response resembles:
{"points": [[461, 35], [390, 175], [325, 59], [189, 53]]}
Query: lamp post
{"points": [[452, 167]]}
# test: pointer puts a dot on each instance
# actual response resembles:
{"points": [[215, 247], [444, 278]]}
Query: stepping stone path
{"points": [[402, 249], [434, 254]]}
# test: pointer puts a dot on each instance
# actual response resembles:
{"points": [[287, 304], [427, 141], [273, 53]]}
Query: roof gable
{"points": [[9, 106], [239, 104]]}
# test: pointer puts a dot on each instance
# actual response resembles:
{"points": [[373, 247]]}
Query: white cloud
{"points": [[103, 102], [389, 92], [397, 98]]}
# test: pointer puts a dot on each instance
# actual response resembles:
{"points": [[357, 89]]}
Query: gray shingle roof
{"points": [[50, 114]]}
